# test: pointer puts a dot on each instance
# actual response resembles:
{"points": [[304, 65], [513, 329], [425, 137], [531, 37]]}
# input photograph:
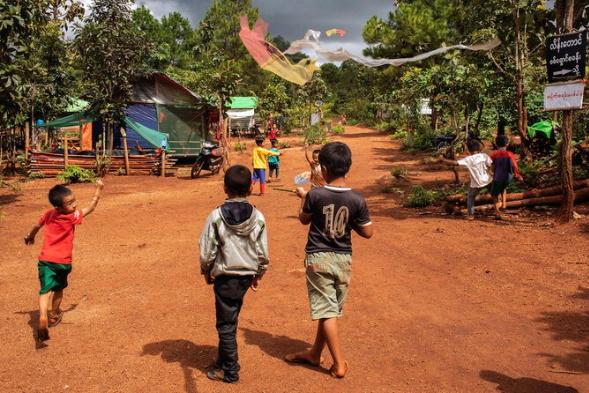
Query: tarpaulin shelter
{"points": [[242, 111], [543, 127]]}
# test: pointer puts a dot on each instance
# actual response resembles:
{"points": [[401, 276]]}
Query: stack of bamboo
{"points": [[540, 197], [50, 164]]}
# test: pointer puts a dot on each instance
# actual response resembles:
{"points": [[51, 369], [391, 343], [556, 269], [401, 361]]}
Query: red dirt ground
{"points": [[437, 303]]}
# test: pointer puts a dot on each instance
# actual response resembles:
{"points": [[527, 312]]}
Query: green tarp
{"points": [[77, 119], [544, 127], [154, 137], [243, 103]]}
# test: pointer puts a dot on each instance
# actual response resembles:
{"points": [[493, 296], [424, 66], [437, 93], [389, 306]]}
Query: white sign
{"points": [[425, 108], [561, 96], [315, 117]]}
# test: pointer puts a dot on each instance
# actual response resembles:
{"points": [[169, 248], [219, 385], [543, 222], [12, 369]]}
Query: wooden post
{"points": [[65, 152], [124, 135], [27, 138], [163, 168]]}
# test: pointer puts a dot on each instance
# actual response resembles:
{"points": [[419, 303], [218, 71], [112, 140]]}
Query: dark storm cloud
{"points": [[292, 18]]}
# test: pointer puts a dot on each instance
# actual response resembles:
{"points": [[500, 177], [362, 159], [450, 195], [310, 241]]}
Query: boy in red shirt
{"points": [[55, 259]]}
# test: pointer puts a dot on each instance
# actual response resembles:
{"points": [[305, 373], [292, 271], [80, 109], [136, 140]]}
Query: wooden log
{"points": [[537, 193], [163, 167], [581, 195]]}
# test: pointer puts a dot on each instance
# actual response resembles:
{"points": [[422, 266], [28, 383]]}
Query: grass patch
{"points": [[75, 174], [284, 145], [339, 129], [421, 197], [240, 147], [399, 173], [36, 175]]}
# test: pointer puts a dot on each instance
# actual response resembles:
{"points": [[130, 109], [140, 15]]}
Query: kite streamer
{"points": [[339, 32], [269, 57], [342, 54]]}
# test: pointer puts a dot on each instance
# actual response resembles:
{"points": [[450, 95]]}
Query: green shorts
{"points": [[497, 187], [328, 278], [53, 276]]}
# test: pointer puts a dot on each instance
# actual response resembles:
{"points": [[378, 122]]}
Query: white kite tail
{"points": [[342, 55]]}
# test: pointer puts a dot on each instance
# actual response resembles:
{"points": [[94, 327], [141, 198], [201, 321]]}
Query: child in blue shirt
{"points": [[274, 161]]}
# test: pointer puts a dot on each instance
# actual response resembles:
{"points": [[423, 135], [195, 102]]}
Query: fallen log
{"points": [[537, 193], [581, 195]]}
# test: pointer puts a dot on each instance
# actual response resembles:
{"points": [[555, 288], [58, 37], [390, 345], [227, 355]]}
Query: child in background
{"points": [[504, 167], [316, 175], [478, 165], [260, 162], [273, 134], [55, 259], [333, 212], [274, 161], [233, 257]]}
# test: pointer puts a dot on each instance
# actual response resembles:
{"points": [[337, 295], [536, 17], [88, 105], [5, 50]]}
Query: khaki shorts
{"points": [[328, 278]]}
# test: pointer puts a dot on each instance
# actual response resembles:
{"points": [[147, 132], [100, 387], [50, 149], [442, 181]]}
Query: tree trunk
{"points": [[478, 121], [110, 139], [566, 153]]}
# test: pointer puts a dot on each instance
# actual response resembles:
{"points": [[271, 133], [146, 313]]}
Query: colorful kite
{"points": [[342, 54], [269, 57], [339, 32]]}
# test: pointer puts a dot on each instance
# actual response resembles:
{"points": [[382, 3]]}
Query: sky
{"points": [[292, 18]]}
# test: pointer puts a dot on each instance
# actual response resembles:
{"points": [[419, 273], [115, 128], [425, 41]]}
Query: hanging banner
{"points": [[565, 56], [561, 96]]}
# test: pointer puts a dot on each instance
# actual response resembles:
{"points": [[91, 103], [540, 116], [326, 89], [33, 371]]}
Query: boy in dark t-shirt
{"points": [[333, 212]]}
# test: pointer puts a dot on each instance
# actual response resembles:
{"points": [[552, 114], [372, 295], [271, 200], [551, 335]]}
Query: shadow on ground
{"points": [[278, 346], [570, 326], [8, 199], [187, 354], [34, 320], [507, 384]]}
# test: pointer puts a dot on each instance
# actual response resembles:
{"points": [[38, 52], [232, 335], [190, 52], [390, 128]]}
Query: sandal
{"points": [[333, 373], [298, 359], [55, 319]]}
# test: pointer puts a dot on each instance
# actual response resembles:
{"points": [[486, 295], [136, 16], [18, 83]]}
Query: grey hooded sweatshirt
{"points": [[234, 241]]}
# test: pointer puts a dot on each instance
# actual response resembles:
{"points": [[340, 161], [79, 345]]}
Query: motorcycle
{"points": [[210, 158]]}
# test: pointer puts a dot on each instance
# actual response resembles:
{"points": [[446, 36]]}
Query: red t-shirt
{"points": [[58, 241], [272, 134]]}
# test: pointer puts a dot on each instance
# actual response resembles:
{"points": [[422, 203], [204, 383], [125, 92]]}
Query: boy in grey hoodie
{"points": [[233, 257]]}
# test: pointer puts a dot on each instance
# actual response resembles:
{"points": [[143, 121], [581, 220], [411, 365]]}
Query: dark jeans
{"points": [[274, 167], [229, 293]]}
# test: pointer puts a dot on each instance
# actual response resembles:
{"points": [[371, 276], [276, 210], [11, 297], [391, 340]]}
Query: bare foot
{"points": [[304, 357], [337, 371], [43, 330]]}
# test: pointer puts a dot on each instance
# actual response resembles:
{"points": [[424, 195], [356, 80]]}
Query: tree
{"points": [[111, 52]]}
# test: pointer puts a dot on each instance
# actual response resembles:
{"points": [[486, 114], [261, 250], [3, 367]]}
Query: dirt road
{"points": [[437, 304]]}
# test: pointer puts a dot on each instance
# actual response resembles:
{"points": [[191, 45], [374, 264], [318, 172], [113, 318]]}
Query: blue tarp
{"points": [[144, 114]]}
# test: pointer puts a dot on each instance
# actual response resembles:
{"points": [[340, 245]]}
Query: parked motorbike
{"points": [[210, 158]]}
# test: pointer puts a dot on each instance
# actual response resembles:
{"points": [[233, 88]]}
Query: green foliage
{"points": [[391, 190], [315, 135], [36, 175], [112, 51], [75, 174], [2, 215], [423, 139], [15, 187], [398, 135], [420, 197], [240, 147], [339, 129], [284, 144], [399, 173]]}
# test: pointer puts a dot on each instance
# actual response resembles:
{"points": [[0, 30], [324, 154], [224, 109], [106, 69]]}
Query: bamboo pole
{"points": [[65, 152], [163, 169], [126, 151]]}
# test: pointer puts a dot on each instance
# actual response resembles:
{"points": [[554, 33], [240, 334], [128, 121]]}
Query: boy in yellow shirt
{"points": [[260, 162]]}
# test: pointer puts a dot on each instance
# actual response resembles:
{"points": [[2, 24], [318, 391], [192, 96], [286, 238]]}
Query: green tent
{"points": [[544, 127], [243, 103]]}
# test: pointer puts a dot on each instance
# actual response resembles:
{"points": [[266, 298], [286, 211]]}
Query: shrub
{"points": [[37, 175], [339, 129], [391, 189], [420, 197], [240, 147], [398, 135], [284, 145], [75, 174], [399, 173], [15, 187], [315, 135], [423, 139]]}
